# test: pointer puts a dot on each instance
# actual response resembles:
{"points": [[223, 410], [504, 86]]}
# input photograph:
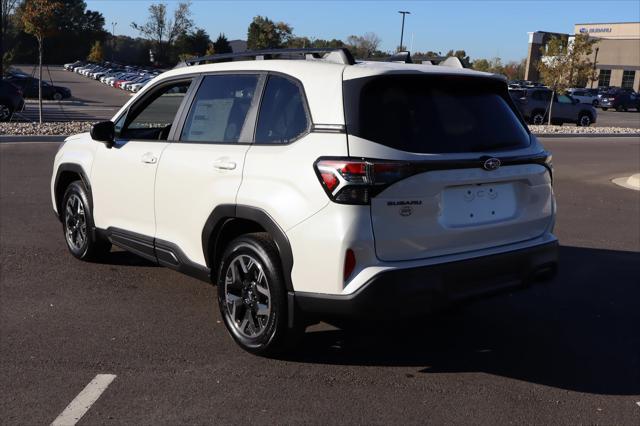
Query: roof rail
{"points": [[339, 55]]}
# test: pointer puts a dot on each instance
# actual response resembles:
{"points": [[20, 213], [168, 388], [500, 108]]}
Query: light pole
{"points": [[113, 40], [403, 13]]}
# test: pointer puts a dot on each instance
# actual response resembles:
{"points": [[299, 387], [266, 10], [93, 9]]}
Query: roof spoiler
{"points": [[339, 55]]}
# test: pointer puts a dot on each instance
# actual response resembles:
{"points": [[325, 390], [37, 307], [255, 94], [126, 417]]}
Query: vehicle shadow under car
{"points": [[581, 331]]}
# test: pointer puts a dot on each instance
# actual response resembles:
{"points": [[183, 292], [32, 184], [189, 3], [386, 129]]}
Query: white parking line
{"points": [[85, 399]]}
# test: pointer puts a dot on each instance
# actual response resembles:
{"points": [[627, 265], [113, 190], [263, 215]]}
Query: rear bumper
{"points": [[430, 288]]}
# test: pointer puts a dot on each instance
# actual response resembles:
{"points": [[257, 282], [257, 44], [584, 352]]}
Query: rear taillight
{"points": [[356, 181]]}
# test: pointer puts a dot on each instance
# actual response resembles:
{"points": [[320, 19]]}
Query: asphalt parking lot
{"points": [[90, 101], [566, 352]]}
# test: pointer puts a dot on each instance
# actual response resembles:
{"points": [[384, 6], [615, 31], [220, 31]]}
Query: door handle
{"points": [[149, 158], [224, 165]]}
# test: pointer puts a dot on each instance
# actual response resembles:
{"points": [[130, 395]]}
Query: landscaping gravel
{"points": [[576, 130], [73, 127], [49, 129]]}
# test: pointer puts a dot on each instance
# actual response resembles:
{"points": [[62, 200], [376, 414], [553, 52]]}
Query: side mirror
{"points": [[104, 132], [575, 101]]}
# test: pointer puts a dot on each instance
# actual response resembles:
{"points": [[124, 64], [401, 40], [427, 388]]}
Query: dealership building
{"points": [[616, 55]]}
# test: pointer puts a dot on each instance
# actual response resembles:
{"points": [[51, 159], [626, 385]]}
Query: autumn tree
{"points": [[565, 62], [38, 21], [96, 54], [263, 33], [363, 46], [162, 29]]}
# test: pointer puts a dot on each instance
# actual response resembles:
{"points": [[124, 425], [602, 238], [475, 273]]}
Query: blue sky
{"points": [[485, 29]]}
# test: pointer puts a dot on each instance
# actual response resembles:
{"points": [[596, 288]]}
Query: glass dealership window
{"points": [[604, 78], [627, 79]]}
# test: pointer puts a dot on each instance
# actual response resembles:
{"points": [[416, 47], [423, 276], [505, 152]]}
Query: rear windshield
{"points": [[434, 114]]}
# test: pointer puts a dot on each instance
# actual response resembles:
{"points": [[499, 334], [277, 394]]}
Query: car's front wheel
{"points": [[584, 120], [5, 112], [537, 118], [605, 108], [78, 226], [57, 96], [252, 295]]}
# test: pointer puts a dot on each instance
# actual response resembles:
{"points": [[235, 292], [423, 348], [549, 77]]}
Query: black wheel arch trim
{"points": [[224, 213], [77, 169]]}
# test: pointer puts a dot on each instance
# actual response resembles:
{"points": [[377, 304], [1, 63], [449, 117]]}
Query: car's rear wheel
{"points": [[5, 112], [619, 108], [57, 96], [78, 226], [584, 120], [605, 108], [252, 295], [537, 118]]}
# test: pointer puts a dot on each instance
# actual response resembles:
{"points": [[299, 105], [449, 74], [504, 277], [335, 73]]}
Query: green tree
{"points": [[564, 62], [194, 43], [96, 54], [221, 45], [482, 65], [263, 33], [163, 30], [38, 21]]}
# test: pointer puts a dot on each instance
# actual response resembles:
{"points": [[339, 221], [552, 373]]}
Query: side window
{"points": [[220, 109], [153, 118], [283, 116], [564, 99]]}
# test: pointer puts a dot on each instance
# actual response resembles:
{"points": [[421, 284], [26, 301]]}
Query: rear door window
{"points": [[434, 114], [220, 109]]}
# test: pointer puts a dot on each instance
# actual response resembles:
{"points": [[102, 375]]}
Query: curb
{"points": [[587, 135], [34, 138]]}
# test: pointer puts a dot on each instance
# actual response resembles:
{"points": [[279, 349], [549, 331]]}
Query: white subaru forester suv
{"points": [[309, 186]]}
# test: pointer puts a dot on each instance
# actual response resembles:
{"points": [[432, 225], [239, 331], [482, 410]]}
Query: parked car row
{"points": [[115, 75], [534, 105]]}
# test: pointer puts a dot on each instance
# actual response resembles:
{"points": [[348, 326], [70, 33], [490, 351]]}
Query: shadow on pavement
{"points": [[579, 332], [124, 258]]}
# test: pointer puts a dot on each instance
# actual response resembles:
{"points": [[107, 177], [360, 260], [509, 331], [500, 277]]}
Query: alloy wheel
{"points": [[75, 220], [538, 119], [585, 121], [247, 297], [5, 112]]}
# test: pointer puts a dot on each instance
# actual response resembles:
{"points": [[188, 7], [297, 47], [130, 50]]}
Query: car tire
{"points": [[5, 112], [78, 225], [57, 96], [605, 108], [619, 108], [584, 120], [538, 118], [252, 296]]}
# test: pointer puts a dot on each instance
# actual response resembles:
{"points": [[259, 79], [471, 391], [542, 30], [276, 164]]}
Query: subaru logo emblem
{"points": [[492, 164]]}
